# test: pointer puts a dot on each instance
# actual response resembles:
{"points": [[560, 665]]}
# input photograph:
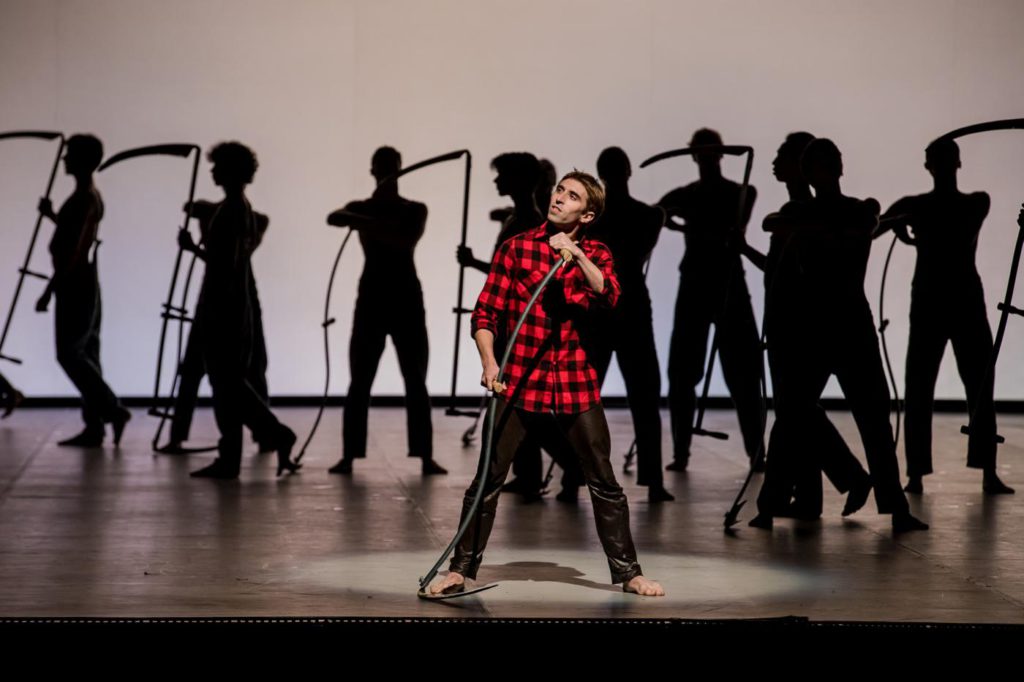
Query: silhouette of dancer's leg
{"points": [[257, 374], [799, 374], [784, 338], [632, 338], [369, 331], [191, 374], [77, 321], [528, 468], [638, 361], [925, 348], [837, 461], [258, 417], [509, 431], [824, 451], [780, 468], [858, 367], [226, 374], [587, 434], [5, 386], [528, 462], [412, 347], [972, 346], [686, 358], [740, 350]]}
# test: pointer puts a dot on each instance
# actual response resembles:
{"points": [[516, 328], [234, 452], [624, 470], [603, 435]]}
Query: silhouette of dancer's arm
{"points": [[759, 259], [795, 217], [62, 266], [203, 211], [262, 223], [858, 223], [748, 208], [345, 217], [981, 202], [502, 214], [676, 208], [867, 222], [185, 243], [464, 255], [898, 218], [737, 237], [46, 209], [393, 231]]}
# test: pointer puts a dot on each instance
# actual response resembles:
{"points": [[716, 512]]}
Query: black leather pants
{"points": [[585, 435]]}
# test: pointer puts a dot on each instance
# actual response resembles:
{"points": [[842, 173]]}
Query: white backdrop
{"points": [[315, 86]]}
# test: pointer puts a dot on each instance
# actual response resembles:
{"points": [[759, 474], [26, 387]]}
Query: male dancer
{"points": [[390, 303], [831, 235], [947, 305], [76, 286], [225, 317], [521, 177], [712, 290], [551, 387], [630, 228]]}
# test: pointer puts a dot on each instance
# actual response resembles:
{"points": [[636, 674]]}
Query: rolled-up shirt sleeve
{"points": [[578, 292], [493, 299]]}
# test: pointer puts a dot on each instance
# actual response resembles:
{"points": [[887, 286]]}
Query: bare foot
{"points": [[642, 586], [453, 582]]}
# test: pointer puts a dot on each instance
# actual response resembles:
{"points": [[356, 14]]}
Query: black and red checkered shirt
{"points": [[547, 370]]}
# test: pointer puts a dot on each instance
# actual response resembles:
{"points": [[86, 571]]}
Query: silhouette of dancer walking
{"points": [[76, 287], [226, 319]]}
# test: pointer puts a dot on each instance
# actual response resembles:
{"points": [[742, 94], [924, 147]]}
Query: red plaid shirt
{"points": [[548, 370]]}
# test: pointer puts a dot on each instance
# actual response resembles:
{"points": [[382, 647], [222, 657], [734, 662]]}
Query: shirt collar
{"points": [[546, 230]]}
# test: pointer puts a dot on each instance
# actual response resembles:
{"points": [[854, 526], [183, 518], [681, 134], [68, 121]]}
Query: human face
{"points": [[502, 184], [72, 162], [785, 166], [568, 206]]}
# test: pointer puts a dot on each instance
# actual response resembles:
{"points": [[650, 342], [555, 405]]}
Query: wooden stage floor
{"points": [[125, 533]]}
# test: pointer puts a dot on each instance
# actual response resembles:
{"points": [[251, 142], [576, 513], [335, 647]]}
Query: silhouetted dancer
{"points": [[947, 305], [712, 290], [551, 388], [192, 368], [517, 176], [794, 462], [548, 180], [541, 195], [10, 397], [520, 177], [830, 235], [630, 229], [76, 287], [390, 303], [226, 319]]}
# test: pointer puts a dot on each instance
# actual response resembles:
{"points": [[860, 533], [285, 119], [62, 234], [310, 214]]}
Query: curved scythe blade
{"points": [[182, 150]]}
